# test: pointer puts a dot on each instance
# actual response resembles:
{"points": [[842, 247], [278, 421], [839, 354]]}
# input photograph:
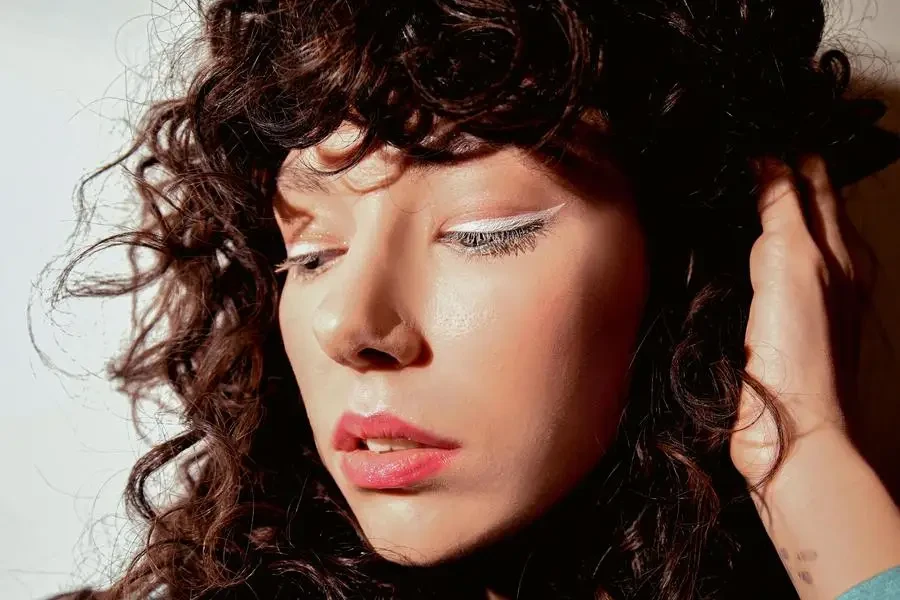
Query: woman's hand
{"points": [[803, 330], [825, 510]]}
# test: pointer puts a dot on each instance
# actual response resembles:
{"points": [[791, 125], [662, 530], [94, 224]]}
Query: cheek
{"points": [[308, 362], [539, 353], [290, 322]]}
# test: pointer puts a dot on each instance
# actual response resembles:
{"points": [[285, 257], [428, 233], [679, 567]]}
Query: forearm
{"points": [[830, 517]]}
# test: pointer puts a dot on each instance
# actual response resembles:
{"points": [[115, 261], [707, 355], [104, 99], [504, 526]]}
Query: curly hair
{"points": [[685, 95]]}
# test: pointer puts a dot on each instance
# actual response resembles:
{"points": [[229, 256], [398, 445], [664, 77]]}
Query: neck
{"points": [[504, 566], [536, 558], [518, 565]]}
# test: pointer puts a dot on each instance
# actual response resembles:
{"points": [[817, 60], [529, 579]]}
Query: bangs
{"points": [[432, 79]]}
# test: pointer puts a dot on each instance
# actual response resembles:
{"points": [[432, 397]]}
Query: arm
{"points": [[827, 513], [830, 517]]}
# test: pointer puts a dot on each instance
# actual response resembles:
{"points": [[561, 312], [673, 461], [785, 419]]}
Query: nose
{"points": [[364, 325]]}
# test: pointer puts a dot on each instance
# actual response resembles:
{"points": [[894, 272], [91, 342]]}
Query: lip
{"points": [[383, 470], [352, 428], [392, 470]]}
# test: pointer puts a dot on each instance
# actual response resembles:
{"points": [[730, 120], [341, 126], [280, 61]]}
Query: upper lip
{"points": [[352, 428]]}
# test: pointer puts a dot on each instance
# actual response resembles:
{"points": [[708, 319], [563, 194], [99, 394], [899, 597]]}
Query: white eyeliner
{"points": [[507, 223], [301, 248], [482, 226]]}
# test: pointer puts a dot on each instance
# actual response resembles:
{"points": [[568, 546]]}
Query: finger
{"points": [[828, 223], [826, 215], [836, 232], [779, 205], [864, 260]]}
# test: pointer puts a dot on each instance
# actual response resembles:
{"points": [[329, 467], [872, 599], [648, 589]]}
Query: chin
{"points": [[419, 548], [415, 557], [408, 531]]}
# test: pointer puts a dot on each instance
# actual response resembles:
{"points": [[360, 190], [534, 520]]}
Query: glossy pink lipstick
{"points": [[395, 468]]}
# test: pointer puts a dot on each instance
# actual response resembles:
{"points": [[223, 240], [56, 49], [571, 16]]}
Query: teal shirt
{"points": [[884, 586]]}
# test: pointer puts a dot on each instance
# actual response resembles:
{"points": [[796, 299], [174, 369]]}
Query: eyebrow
{"points": [[459, 149], [299, 180]]}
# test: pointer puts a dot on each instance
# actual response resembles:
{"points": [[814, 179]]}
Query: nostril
{"points": [[377, 357]]}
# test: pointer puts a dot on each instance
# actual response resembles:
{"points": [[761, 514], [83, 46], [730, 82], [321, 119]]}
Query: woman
{"points": [[505, 300]]}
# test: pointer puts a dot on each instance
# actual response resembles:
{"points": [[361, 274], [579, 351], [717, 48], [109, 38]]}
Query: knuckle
{"points": [[800, 257], [780, 188]]}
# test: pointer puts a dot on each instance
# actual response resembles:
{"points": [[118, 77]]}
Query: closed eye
{"points": [[470, 244]]}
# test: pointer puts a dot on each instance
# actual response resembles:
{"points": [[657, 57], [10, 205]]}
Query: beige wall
{"points": [[874, 206]]}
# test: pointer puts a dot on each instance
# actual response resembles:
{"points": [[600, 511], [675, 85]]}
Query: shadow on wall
{"points": [[873, 204]]}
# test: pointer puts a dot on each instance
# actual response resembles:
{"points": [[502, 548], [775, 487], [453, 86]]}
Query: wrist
{"points": [[825, 454], [754, 447], [827, 501]]}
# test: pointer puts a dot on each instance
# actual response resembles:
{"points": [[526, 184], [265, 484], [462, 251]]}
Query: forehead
{"points": [[300, 171], [583, 164]]}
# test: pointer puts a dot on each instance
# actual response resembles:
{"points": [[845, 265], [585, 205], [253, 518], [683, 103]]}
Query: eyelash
{"points": [[474, 243]]}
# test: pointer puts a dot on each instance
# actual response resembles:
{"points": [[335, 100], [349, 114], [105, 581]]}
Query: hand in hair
{"points": [[823, 507], [803, 331]]}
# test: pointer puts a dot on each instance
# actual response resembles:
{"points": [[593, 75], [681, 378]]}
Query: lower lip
{"points": [[397, 469]]}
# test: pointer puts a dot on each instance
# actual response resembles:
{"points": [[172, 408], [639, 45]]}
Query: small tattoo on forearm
{"points": [[807, 555], [805, 576]]}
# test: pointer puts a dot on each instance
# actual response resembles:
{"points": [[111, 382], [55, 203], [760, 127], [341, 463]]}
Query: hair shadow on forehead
{"points": [[582, 162], [299, 174]]}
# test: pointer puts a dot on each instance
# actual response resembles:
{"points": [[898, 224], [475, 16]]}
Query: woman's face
{"points": [[514, 362]]}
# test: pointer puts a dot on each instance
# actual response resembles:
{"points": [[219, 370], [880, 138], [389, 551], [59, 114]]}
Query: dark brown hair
{"points": [[685, 95]]}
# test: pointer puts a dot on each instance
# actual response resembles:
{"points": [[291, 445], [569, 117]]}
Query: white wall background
{"points": [[66, 71]]}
